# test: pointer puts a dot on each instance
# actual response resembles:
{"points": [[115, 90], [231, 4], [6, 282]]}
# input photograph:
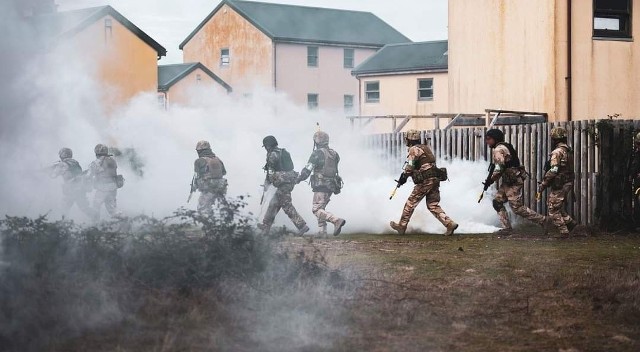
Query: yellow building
{"points": [[572, 59], [177, 83], [404, 80], [122, 57]]}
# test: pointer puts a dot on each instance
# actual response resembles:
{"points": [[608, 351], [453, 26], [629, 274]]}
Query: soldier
{"points": [[210, 181], [634, 178], [103, 171], [280, 174], [508, 168], [73, 188], [325, 181], [560, 178], [421, 166]]}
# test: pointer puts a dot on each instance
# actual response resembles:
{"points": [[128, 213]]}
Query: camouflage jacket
{"points": [[501, 159], [561, 163], [419, 158], [274, 175], [103, 171]]}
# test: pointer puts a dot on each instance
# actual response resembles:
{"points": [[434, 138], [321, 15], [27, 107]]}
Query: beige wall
{"points": [[124, 64], [181, 92], [330, 80], [501, 55], [251, 51], [399, 96]]}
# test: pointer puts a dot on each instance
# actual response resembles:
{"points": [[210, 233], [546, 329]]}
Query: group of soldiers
{"points": [[506, 168], [280, 173], [101, 177]]}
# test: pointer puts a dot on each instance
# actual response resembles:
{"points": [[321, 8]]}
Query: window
{"points": [[348, 103], [224, 57], [312, 101], [198, 78], [425, 89], [372, 92], [108, 28], [312, 56], [349, 55], [612, 18]]}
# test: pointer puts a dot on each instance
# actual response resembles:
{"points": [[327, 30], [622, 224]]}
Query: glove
{"points": [[298, 179], [403, 179], [542, 187]]}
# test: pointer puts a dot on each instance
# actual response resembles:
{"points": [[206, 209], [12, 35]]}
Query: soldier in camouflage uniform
{"points": [[560, 179], [210, 181], [325, 181], [103, 172], [421, 166], [73, 189], [512, 173], [281, 175]]}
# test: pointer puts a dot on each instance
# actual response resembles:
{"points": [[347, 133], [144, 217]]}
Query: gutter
{"points": [[569, 56]]}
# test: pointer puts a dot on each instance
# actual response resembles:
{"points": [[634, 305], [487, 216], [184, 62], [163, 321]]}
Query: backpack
{"points": [[286, 164]]}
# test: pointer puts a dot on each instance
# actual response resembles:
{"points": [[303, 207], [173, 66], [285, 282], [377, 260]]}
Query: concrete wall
{"points": [[181, 92], [330, 80], [399, 96], [251, 51]]}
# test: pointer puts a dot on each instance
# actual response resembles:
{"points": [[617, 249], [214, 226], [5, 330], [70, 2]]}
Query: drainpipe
{"points": [[569, 55]]}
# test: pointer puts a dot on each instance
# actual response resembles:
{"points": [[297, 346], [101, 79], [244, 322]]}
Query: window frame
{"points": [[222, 57], [367, 92], [348, 108], [353, 58], [420, 89], [108, 28], [313, 106], [316, 56], [625, 19]]}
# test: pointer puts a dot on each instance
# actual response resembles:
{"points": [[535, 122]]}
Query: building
{"points": [[572, 59], [176, 83], [407, 79], [121, 56], [306, 52]]}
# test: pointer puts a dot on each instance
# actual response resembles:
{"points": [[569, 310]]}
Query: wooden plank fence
{"points": [[602, 191]]}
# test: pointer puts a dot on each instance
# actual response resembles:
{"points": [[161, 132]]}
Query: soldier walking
{"points": [[421, 167], [325, 181], [280, 174], [73, 188], [512, 173], [103, 172], [209, 178], [559, 178]]}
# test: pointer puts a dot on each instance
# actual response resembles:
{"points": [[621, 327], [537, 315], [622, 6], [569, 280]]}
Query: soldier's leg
{"points": [[110, 203], [414, 199], [67, 203], [284, 197], [98, 200], [433, 202], [514, 195], [320, 201], [205, 203], [555, 203], [498, 204], [568, 220], [270, 215], [83, 204]]}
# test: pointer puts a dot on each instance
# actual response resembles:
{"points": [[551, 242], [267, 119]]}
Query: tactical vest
{"points": [[514, 161], [74, 169], [214, 168], [426, 158], [566, 167], [330, 167]]}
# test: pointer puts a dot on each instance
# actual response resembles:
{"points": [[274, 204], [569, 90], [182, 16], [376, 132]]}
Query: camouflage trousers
{"points": [[207, 201], [282, 200], [80, 198], [513, 195], [430, 190], [556, 203], [320, 201], [108, 198]]}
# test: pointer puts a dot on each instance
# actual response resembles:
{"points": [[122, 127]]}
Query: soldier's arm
{"points": [[272, 161], [412, 160], [499, 160], [314, 161], [553, 171], [58, 169]]}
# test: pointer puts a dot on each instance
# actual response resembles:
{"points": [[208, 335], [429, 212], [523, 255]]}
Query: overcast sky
{"points": [[170, 21]]}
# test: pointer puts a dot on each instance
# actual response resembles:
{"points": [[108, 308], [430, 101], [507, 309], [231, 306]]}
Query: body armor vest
{"points": [[426, 158], [214, 168], [514, 161], [330, 167], [73, 171]]}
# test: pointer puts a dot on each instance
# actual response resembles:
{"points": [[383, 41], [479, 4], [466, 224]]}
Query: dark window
{"points": [[348, 103], [312, 101], [108, 28], [198, 78], [612, 18], [425, 89], [312, 56], [225, 59], [349, 57], [372, 92]]}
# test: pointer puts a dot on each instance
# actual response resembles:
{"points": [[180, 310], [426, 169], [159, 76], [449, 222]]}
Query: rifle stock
{"points": [[193, 187]]}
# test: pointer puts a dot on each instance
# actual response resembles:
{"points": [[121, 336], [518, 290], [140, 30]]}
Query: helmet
{"points": [[65, 153], [495, 134], [202, 145], [558, 133], [321, 138], [269, 142], [101, 150], [413, 135], [637, 138]]}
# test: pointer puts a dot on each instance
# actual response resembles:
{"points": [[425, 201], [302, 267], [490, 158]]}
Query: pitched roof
{"points": [[168, 75], [301, 24], [407, 57], [67, 23]]}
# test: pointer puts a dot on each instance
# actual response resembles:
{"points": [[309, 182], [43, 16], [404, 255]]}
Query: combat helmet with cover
{"points": [[101, 150], [321, 138], [203, 145], [269, 142], [413, 135], [65, 153], [558, 133]]}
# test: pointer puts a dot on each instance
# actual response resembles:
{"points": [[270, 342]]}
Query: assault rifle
{"points": [[400, 181], [488, 182], [193, 187], [265, 186]]}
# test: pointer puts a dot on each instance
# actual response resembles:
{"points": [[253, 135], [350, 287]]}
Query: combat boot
{"points": [[451, 228], [303, 230], [401, 229], [265, 229], [572, 225], [338, 226]]}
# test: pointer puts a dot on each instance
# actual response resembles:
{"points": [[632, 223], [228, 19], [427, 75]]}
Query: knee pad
{"points": [[498, 206]]}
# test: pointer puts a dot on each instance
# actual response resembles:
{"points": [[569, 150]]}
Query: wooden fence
{"points": [[602, 192]]}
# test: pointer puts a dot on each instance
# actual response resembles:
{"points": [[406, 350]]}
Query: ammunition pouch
{"points": [[280, 178], [514, 175], [561, 179], [212, 185], [329, 184], [422, 175]]}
